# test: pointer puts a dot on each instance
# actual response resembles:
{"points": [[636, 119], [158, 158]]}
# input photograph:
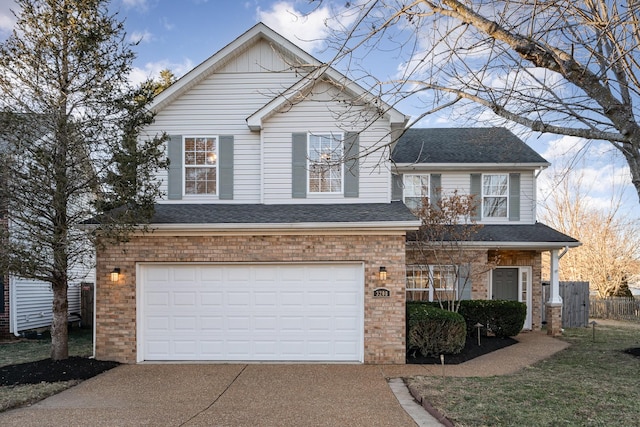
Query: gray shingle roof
{"points": [[280, 214], [463, 145], [537, 233]]}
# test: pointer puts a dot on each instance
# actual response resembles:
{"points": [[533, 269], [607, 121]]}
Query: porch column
{"points": [[554, 305]]}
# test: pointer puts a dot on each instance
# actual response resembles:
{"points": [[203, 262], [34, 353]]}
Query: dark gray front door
{"points": [[505, 284]]}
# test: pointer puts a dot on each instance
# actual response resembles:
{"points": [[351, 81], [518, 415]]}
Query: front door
{"points": [[505, 284]]}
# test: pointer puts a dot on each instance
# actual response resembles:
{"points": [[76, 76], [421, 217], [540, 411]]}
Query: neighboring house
{"points": [[276, 241]]}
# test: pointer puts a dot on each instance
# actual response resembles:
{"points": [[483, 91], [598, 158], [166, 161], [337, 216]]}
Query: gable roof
{"points": [[318, 71], [455, 146]]}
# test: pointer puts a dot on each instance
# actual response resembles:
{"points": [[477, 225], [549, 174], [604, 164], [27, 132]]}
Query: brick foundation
{"points": [[384, 318]]}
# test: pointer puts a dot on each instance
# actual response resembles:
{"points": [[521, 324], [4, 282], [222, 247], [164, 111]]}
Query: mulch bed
{"points": [[471, 351], [633, 351], [50, 371]]}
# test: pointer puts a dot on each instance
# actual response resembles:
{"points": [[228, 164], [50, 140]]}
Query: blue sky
{"points": [[179, 34]]}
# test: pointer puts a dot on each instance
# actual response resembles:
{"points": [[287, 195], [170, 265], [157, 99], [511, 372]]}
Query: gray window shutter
{"points": [[464, 282], [299, 166], [476, 192], [397, 187], [225, 165], [174, 153], [435, 190], [351, 165], [514, 197]]}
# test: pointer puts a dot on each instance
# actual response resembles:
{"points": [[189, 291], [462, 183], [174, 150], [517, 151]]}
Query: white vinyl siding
{"points": [[31, 302], [460, 181], [310, 116], [220, 104]]}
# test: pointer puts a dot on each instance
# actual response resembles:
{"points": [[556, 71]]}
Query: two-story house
{"points": [[280, 237]]}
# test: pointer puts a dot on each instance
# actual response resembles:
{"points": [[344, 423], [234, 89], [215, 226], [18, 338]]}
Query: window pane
{"points": [[416, 188], [495, 207], [494, 185]]}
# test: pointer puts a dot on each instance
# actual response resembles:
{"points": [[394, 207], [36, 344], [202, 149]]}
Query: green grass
{"points": [[23, 351], [588, 384]]}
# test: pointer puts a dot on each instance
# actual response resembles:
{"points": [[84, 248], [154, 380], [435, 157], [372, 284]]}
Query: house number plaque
{"points": [[381, 293]]}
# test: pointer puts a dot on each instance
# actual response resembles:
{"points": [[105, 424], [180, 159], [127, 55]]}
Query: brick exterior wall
{"points": [[384, 318]]}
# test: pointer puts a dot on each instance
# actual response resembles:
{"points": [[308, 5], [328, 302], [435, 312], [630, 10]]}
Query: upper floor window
{"points": [[495, 195], [201, 165], [416, 188], [325, 163]]}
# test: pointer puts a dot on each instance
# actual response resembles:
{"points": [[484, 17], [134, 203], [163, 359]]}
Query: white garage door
{"points": [[311, 312]]}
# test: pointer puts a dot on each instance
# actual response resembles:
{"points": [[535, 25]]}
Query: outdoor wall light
{"points": [[115, 274], [382, 274]]}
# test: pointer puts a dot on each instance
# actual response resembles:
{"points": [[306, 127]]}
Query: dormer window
{"points": [[495, 195], [416, 189]]}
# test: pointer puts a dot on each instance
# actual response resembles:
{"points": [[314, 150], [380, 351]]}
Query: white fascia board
{"points": [[411, 167]]}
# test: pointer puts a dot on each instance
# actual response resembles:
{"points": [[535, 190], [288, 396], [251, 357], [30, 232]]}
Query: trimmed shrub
{"points": [[433, 331], [503, 318]]}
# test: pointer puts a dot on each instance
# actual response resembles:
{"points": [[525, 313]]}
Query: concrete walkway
{"points": [[261, 394]]}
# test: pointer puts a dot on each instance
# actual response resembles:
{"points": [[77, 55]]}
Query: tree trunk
{"points": [[59, 327]]}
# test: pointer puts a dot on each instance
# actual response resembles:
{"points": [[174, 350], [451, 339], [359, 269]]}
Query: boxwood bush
{"points": [[433, 331], [503, 318]]}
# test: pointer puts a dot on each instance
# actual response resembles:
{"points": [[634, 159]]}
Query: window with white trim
{"points": [[416, 188], [201, 165], [495, 195], [431, 282], [325, 163]]}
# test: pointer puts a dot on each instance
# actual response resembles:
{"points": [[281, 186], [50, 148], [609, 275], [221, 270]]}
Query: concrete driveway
{"points": [[222, 395]]}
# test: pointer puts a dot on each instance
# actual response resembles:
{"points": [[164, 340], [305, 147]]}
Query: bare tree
{"points": [[609, 254], [443, 250], [70, 147], [563, 67]]}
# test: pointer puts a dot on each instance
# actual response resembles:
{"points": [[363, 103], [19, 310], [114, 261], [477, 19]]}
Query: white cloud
{"points": [[306, 30], [141, 37], [7, 20], [152, 70], [138, 4]]}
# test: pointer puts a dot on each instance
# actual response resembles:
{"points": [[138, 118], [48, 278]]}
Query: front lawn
{"points": [[588, 384], [23, 351]]}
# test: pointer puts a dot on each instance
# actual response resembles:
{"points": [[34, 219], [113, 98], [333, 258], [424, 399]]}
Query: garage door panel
{"points": [[211, 299], [254, 312], [182, 298]]}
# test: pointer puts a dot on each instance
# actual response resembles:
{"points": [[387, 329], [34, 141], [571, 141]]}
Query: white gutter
{"points": [[512, 245], [305, 227], [402, 167]]}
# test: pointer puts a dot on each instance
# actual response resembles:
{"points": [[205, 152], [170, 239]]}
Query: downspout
{"points": [[13, 307]]}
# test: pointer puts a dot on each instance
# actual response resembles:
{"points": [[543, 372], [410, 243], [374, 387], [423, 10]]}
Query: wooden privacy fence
{"points": [[614, 308], [575, 303]]}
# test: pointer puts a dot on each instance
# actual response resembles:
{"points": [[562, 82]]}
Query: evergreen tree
{"points": [[71, 145]]}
